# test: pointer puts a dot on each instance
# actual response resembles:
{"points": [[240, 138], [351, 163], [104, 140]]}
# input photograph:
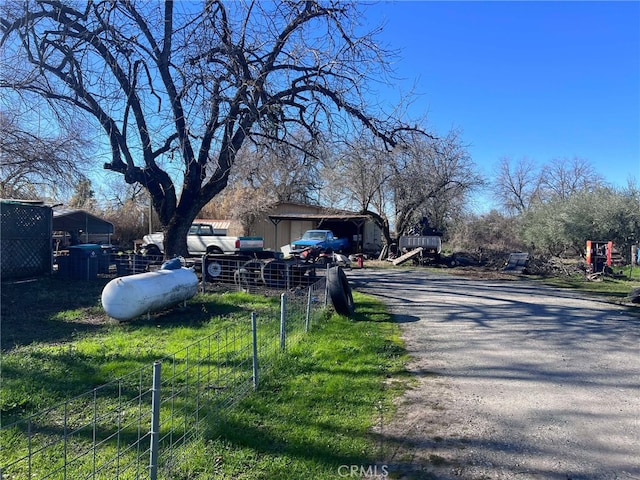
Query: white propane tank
{"points": [[129, 297]]}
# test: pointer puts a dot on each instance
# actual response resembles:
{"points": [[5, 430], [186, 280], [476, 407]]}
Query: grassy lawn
{"points": [[314, 410], [315, 413], [58, 345], [614, 289]]}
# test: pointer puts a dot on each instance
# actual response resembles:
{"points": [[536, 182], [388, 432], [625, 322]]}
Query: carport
{"points": [[78, 222], [344, 224]]}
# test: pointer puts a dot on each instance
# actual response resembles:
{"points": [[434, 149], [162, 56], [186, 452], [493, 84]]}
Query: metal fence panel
{"points": [[101, 434], [107, 433], [260, 276]]}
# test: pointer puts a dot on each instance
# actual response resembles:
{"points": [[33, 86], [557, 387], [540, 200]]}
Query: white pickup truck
{"points": [[203, 238]]}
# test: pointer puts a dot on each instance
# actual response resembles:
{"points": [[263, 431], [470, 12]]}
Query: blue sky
{"points": [[541, 80]]}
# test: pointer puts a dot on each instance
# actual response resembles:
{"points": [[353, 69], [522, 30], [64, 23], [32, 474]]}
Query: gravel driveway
{"points": [[514, 380]]}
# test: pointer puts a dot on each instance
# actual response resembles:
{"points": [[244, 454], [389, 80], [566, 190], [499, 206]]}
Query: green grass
{"points": [[610, 288], [313, 412], [316, 411], [47, 371], [631, 272]]}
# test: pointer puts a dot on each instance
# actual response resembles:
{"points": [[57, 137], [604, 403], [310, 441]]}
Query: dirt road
{"points": [[515, 380]]}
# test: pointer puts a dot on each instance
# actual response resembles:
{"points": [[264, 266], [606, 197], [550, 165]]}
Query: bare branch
{"points": [[179, 88]]}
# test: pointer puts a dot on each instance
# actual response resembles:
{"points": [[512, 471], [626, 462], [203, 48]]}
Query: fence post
{"points": [[254, 329], [308, 318], [237, 277], [204, 273], [326, 288], [288, 282], [155, 420], [283, 315]]}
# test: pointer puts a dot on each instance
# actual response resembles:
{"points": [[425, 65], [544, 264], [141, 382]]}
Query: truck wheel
{"points": [[274, 274], [214, 249], [213, 270], [340, 291]]}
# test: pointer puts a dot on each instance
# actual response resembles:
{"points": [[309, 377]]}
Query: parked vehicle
{"points": [[321, 239], [203, 239], [431, 245]]}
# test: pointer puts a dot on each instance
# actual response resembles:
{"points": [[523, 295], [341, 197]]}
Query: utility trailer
{"points": [[422, 248]]}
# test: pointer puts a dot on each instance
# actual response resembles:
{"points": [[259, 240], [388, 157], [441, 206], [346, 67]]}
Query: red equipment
{"points": [[599, 255]]}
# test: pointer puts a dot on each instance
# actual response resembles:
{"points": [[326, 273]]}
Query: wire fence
{"points": [[142, 424], [257, 275], [245, 272]]}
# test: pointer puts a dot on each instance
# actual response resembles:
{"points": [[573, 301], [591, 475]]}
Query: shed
{"points": [[79, 221], [343, 224]]}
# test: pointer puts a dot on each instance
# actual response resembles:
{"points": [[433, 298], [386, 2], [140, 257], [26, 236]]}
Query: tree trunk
{"points": [[386, 233], [383, 223], [175, 237]]}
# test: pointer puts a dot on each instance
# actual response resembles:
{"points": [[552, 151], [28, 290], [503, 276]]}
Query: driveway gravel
{"points": [[514, 380]]}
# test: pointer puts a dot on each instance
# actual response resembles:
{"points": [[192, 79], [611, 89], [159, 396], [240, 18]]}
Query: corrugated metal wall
{"points": [[286, 230], [25, 240]]}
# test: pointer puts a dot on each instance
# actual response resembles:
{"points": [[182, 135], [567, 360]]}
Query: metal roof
{"points": [[216, 224], [318, 216], [68, 220]]}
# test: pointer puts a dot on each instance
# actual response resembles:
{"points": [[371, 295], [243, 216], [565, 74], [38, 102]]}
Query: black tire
{"points": [[340, 291], [324, 261], [151, 249], [274, 274], [214, 250]]}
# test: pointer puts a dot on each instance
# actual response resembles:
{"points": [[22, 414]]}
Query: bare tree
{"points": [[433, 178], [360, 175], [521, 185], [563, 177], [179, 88], [265, 175], [127, 207], [288, 171], [33, 161], [517, 184], [423, 176]]}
